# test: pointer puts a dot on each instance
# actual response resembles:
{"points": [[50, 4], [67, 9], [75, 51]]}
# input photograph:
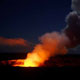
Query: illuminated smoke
{"points": [[55, 43], [12, 42], [51, 44], [14, 45]]}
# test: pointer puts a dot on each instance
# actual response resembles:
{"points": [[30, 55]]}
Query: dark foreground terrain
{"points": [[59, 67], [50, 73]]}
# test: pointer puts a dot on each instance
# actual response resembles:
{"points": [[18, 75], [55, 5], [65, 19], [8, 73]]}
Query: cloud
{"points": [[13, 42], [13, 45]]}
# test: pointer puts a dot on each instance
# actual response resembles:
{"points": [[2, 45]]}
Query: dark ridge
{"points": [[57, 61], [39, 73], [10, 56], [6, 56]]}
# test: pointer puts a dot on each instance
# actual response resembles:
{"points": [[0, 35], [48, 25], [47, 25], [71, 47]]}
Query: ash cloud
{"points": [[72, 29], [76, 6], [56, 43]]}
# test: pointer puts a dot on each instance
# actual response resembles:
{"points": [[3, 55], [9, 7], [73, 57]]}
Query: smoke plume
{"points": [[56, 43], [73, 24], [76, 6]]}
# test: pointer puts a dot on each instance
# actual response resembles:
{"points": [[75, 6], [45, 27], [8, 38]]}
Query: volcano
{"points": [[69, 60], [57, 66]]}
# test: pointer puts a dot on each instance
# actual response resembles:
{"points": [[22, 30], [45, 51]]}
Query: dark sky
{"points": [[30, 19]]}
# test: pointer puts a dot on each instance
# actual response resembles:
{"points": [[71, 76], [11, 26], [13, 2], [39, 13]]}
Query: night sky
{"points": [[30, 19]]}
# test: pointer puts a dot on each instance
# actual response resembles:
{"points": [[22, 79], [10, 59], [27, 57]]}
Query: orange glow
{"points": [[34, 59], [51, 44], [13, 41]]}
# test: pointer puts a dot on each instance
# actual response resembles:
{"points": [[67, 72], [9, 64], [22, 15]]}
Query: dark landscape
{"points": [[49, 30], [66, 65]]}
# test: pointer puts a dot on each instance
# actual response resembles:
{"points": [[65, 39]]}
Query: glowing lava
{"points": [[32, 60], [51, 44]]}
